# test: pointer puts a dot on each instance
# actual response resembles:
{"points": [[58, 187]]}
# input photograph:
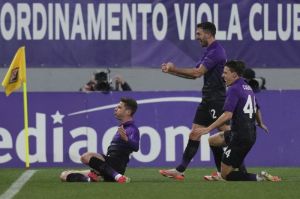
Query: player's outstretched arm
{"points": [[260, 122], [219, 122]]}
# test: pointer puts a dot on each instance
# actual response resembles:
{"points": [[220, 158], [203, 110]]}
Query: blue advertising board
{"points": [[62, 126]]}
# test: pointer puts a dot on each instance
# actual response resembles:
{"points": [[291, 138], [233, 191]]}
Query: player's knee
{"points": [[213, 141], [194, 136], [217, 140], [210, 141], [85, 158], [63, 176]]}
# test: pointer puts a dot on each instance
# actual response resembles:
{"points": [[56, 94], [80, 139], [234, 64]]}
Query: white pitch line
{"points": [[17, 185]]}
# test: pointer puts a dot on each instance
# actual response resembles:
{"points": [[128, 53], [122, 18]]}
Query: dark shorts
{"points": [[208, 112], [227, 137], [119, 164], [235, 152]]}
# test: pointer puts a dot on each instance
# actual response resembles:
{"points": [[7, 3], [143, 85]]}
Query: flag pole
{"points": [[25, 102], [26, 124]]}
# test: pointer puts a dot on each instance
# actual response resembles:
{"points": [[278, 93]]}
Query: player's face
{"points": [[120, 111], [228, 76], [202, 36]]}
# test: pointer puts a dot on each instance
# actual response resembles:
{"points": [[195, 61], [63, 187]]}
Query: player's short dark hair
{"points": [[236, 66], [130, 104], [208, 27]]}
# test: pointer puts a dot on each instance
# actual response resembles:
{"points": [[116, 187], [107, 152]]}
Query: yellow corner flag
{"points": [[16, 73], [13, 80]]}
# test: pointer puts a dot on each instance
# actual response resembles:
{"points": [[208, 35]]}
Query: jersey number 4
{"points": [[227, 153], [250, 106]]}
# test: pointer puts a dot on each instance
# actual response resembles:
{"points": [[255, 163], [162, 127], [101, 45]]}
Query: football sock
{"points": [[189, 152], [241, 176], [76, 177], [96, 163], [117, 177], [218, 153], [102, 167]]}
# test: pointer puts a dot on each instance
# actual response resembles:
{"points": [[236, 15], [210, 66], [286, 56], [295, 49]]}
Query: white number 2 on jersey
{"points": [[250, 107]]}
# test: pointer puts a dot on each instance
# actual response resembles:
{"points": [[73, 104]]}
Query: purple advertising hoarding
{"points": [[62, 126], [146, 33]]}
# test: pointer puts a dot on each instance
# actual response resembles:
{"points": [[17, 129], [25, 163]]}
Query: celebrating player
{"points": [[213, 93], [111, 167], [241, 108]]}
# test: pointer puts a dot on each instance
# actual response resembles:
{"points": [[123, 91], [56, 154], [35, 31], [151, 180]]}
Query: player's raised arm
{"points": [[189, 73]]}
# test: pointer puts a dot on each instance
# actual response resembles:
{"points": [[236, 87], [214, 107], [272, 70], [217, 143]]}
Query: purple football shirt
{"points": [[240, 100], [213, 59], [133, 135]]}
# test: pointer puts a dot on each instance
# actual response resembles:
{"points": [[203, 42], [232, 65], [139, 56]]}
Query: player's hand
{"points": [[122, 133], [167, 67], [264, 127]]}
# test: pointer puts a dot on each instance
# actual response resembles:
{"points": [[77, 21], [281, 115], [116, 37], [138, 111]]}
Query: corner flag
{"points": [[16, 73], [13, 80]]}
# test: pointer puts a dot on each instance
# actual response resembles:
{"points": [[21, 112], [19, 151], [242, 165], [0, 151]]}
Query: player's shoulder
{"points": [[234, 89], [132, 127], [216, 46], [218, 53]]}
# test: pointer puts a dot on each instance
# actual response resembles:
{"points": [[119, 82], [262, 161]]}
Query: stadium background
{"points": [[63, 56]]}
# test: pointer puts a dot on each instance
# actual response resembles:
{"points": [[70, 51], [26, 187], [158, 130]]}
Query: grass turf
{"points": [[147, 183]]}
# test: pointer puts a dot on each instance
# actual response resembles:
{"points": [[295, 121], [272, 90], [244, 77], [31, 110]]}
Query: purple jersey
{"points": [[240, 100], [133, 135], [213, 59]]}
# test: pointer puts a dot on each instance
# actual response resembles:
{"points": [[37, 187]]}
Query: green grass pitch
{"points": [[146, 183]]}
